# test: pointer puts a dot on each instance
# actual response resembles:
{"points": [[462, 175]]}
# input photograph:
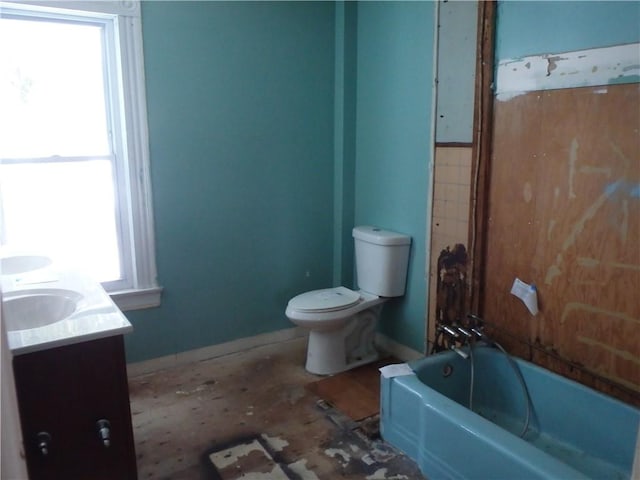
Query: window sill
{"points": [[137, 299]]}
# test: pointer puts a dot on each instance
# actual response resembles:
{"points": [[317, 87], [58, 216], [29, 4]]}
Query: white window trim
{"points": [[145, 291]]}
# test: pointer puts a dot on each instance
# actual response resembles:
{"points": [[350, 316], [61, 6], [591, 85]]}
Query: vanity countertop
{"points": [[94, 316]]}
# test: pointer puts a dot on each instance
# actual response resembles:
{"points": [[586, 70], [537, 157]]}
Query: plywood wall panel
{"points": [[564, 213]]}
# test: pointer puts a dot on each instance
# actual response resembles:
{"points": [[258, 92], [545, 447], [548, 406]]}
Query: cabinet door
{"points": [[64, 392]]}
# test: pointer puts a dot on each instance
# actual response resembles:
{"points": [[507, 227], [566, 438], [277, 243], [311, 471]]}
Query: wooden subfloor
{"points": [[182, 414], [356, 393]]}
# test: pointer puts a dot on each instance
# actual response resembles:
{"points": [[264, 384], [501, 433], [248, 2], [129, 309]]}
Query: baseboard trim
{"points": [[396, 349], [144, 367], [213, 351]]}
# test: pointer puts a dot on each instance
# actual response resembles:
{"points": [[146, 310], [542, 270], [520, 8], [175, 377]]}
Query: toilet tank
{"points": [[382, 257]]}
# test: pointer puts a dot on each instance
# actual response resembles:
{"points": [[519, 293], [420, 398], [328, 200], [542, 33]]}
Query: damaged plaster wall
{"points": [[618, 64], [449, 215], [552, 45]]}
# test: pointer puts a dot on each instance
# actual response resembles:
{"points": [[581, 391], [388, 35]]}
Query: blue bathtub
{"points": [[574, 432]]}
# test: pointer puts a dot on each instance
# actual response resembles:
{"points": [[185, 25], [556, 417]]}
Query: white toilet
{"points": [[342, 322]]}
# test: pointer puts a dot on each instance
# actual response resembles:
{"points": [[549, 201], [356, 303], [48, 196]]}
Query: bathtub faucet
{"points": [[455, 335], [466, 334], [476, 325], [452, 332], [455, 338], [460, 352], [477, 331], [465, 338]]}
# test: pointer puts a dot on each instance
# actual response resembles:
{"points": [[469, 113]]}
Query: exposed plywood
{"points": [[564, 213]]}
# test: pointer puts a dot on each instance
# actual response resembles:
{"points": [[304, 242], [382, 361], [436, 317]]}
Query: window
{"points": [[74, 168]]}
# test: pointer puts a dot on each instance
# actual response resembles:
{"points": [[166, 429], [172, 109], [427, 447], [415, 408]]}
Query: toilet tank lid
{"points": [[379, 236]]}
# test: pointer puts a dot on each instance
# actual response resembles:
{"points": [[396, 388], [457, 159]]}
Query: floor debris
{"points": [[288, 434]]}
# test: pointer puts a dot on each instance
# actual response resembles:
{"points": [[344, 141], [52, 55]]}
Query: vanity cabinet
{"points": [[75, 413]]}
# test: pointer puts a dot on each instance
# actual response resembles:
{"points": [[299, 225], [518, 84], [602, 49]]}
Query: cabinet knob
{"points": [[104, 431], [44, 442]]}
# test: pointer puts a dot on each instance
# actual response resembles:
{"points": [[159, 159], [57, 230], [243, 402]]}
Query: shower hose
{"points": [[514, 366]]}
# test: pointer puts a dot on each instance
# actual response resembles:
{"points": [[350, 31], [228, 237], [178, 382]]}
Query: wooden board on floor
{"points": [[356, 393]]}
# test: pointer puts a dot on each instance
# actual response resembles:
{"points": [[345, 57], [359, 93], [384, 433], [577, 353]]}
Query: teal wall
{"points": [[394, 141], [538, 27], [344, 141], [274, 129], [240, 106]]}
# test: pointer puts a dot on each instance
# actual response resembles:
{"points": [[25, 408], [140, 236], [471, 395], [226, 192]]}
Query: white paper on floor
{"points": [[396, 370]]}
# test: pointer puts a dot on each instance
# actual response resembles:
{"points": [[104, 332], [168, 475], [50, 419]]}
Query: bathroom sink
{"points": [[37, 308], [22, 263]]}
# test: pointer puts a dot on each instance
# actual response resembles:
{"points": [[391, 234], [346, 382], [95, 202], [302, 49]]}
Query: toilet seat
{"points": [[325, 300]]}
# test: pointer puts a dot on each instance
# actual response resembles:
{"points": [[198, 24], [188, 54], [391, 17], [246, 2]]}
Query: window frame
{"points": [[128, 120]]}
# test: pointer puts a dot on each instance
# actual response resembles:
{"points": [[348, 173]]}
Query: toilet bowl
{"points": [[342, 327], [342, 322]]}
